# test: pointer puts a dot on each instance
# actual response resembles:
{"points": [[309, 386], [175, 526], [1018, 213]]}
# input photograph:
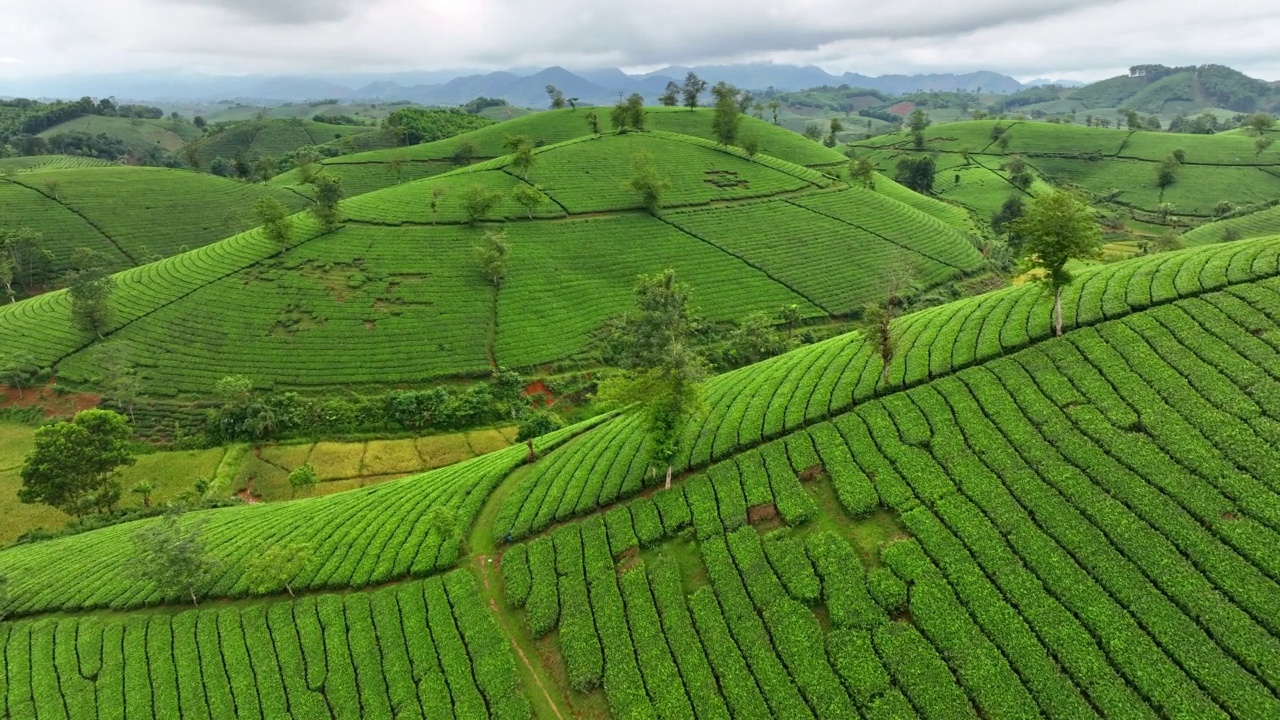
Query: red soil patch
{"points": [[812, 473], [247, 494], [47, 397], [762, 513], [903, 108], [539, 394]]}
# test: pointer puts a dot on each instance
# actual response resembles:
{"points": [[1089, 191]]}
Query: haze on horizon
{"points": [[1068, 39]]}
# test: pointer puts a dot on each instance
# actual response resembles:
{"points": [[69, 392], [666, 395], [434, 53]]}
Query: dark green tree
{"points": [[25, 263], [328, 196], [863, 171], [692, 88], [727, 116], [73, 466], [1058, 228], [556, 96], [478, 201], [917, 123], [493, 257], [664, 371], [647, 181], [170, 553], [670, 97], [533, 426], [90, 287], [916, 173]]}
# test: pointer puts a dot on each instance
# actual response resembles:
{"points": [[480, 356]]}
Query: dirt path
{"points": [[486, 569]]}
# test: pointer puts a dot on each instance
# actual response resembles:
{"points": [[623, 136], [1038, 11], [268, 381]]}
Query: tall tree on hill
{"points": [[1058, 228], [670, 97], [24, 261], [917, 123], [1260, 122], [437, 194], [692, 88], [478, 201], [533, 426], [274, 218], [90, 287], [745, 98], [328, 195], [18, 369], [664, 372], [635, 109], [646, 180], [727, 116], [1167, 172], [171, 554], [917, 173], [1132, 120], [529, 197], [494, 257], [774, 105], [593, 122], [835, 127], [877, 326], [556, 96], [521, 148], [863, 171], [73, 464]]}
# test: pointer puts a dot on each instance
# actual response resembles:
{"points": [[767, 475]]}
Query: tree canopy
{"points": [[1056, 229], [73, 465]]}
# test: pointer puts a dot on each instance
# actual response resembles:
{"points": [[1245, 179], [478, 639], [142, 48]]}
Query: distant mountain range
{"points": [[519, 87]]}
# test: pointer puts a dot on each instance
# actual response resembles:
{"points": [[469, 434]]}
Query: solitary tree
{"points": [[620, 117], [916, 173], [521, 148], [18, 369], [276, 567], [274, 218], [303, 477], [73, 465], [727, 116], [54, 188], [1057, 229], [646, 180], [917, 123], [664, 370], [835, 127], [635, 111], [478, 201], [877, 323], [90, 288], [396, 166], [144, 489], [1167, 173], [1132, 120], [670, 97], [437, 193], [529, 197], [593, 122], [556, 96], [1019, 174], [692, 88], [328, 194], [864, 172], [813, 131], [1260, 122], [774, 105], [533, 426], [25, 262], [171, 554], [493, 257]]}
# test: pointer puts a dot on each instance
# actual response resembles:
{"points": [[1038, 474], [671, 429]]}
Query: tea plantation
{"points": [[127, 213], [1118, 168], [395, 294], [1014, 526]]}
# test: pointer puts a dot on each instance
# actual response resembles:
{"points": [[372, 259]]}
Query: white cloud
{"points": [[1061, 38]]}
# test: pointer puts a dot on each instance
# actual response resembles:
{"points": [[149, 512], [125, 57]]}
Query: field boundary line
{"points": [[82, 216]]}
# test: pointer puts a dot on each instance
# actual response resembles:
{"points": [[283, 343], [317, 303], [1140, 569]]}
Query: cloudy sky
{"points": [[1074, 39]]}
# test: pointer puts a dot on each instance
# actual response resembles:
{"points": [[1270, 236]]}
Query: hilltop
{"points": [[253, 139], [395, 295], [1015, 525]]}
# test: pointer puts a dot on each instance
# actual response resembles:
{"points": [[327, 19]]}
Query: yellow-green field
{"points": [[235, 469]]}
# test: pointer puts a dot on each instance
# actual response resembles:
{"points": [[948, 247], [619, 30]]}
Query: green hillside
{"points": [[369, 171], [137, 133], [272, 138], [395, 295], [132, 215], [1118, 168], [1016, 525], [31, 163], [1164, 90]]}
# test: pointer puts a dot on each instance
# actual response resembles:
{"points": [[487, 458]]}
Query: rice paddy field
{"points": [[1015, 525]]}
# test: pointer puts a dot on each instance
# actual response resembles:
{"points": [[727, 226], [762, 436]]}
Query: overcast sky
{"points": [[1072, 39]]}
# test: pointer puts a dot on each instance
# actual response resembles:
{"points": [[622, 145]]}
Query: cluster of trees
{"points": [[22, 120], [25, 264], [414, 125], [246, 413]]}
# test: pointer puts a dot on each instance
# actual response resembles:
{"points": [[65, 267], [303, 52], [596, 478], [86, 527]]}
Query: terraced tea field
{"points": [[271, 138], [129, 213], [395, 295], [1015, 526], [1117, 164]]}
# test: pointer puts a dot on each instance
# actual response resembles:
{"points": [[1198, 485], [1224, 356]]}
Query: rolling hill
{"points": [[137, 133], [1016, 525], [395, 295], [132, 215], [275, 137], [1119, 166], [368, 171]]}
